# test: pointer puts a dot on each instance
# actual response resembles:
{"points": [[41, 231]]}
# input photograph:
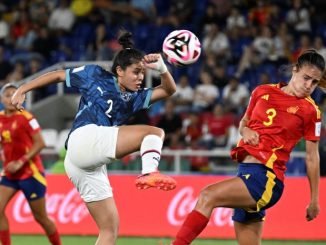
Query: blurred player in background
{"points": [[21, 142], [98, 135], [277, 117]]}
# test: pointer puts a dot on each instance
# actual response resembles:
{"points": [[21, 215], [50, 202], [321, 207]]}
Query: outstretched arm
{"points": [[165, 89], [52, 77], [312, 164], [167, 86]]}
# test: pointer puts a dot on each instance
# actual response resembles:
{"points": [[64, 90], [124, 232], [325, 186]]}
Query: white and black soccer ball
{"points": [[181, 47]]}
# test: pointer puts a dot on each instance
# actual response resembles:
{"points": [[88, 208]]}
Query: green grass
{"points": [[88, 240]]}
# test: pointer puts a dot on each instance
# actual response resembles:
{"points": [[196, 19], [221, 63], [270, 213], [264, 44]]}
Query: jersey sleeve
{"points": [[252, 102], [142, 99], [312, 124], [30, 123], [81, 77]]}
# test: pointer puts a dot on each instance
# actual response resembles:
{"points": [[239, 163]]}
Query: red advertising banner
{"points": [[160, 214]]}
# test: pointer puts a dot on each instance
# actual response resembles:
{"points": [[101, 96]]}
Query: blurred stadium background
{"points": [[244, 43]]}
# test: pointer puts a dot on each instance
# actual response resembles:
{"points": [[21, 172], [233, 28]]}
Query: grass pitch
{"points": [[89, 240]]}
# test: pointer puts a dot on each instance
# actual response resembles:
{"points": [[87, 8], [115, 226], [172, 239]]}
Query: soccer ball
{"points": [[181, 47]]}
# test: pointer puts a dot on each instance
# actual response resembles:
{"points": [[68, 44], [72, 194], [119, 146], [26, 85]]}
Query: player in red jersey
{"points": [[21, 141], [277, 117]]}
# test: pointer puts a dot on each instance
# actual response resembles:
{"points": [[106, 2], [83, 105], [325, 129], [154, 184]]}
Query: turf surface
{"points": [[88, 240]]}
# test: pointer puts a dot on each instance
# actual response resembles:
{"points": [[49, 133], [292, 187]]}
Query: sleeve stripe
{"points": [[27, 114], [68, 78], [148, 98], [312, 102]]}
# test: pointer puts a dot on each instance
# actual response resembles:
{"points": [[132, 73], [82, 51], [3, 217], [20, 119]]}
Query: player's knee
{"points": [[41, 219], [206, 198], [109, 234], [156, 131], [161, 133]]}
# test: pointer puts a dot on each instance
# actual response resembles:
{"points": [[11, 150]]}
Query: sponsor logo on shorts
{"points": [[33, 195], [247, 176]]}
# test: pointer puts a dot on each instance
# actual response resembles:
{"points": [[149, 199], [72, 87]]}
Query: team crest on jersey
{"points": [[265, 97], [125, 96], [292, 109]]}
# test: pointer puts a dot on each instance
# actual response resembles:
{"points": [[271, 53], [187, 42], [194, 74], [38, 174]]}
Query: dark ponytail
{"points": [[322, 83], [128, 55], [125, 40]]}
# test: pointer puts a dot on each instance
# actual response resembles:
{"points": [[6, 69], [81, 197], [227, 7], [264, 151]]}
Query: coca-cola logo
{"points": [[183, 203], [62, 207]]}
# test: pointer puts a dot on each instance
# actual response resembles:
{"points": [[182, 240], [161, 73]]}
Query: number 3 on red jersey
{"points": [[271, 113]]}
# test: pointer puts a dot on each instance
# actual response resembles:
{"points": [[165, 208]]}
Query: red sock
{"points": [[5, 237], [54, 238], [194, 224]]}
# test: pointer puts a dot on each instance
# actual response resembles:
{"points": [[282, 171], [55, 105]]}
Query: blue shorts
{"points": [[263, 186], [32, 188]]}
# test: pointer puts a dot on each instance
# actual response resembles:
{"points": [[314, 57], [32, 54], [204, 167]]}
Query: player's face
{"points": [[6, 99], [305, 80], [132, 77]]}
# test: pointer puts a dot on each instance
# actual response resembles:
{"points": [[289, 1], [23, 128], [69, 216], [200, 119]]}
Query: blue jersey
{"points": [[102, 102]]}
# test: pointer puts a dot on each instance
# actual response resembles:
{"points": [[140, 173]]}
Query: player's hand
{"points": [[312, 211], [250, 136], [18, 99], [14, 166], [155, 62]]}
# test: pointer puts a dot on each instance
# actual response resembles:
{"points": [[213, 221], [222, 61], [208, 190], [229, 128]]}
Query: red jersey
{"points": [[281, 121], [16, 132]]}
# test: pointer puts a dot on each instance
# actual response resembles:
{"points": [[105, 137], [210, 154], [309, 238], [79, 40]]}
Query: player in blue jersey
{"points": [[98, 135]]}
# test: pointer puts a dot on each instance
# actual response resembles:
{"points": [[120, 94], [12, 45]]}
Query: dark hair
{"points": [[312, 57], [128, 55], [7, 86], [322, 83]]}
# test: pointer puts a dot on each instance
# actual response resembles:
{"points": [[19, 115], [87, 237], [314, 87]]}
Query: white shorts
{"points": [[89, 148]]}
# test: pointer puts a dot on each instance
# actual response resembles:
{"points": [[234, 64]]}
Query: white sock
{"points": [[150, 151]]}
